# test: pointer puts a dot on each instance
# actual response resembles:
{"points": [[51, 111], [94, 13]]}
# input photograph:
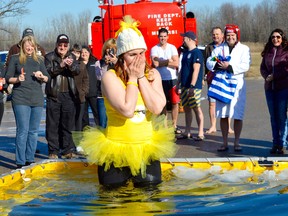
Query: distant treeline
{"points": [[255, 23]]}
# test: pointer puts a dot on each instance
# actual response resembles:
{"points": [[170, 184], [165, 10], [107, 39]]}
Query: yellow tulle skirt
{"points": [[137, 155]]}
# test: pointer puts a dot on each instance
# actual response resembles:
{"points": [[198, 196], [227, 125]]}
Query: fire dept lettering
{"points": [[164, 21]]}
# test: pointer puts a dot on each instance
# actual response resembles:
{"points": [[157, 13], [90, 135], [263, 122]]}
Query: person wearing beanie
{"points": [[136, 136], [61, 94], [107, 62], [237, 66]]}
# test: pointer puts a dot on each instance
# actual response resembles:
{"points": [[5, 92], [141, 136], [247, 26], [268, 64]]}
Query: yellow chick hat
{"points": [[129, 36]]}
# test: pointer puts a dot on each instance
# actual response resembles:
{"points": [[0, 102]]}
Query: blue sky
{"points": [[41, 11]]}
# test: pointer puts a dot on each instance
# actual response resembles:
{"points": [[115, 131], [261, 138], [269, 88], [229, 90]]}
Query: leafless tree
{"points": [[227, 14], [255, 23], [263, 21], [75, 27], [9, 33], [11, 8], [205, 23], [281, 14], [243, 20]]}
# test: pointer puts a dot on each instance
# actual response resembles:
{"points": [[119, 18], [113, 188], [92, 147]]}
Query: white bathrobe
{"points": [[240, 62]]}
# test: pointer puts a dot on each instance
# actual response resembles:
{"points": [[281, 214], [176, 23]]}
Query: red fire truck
{"points": [[152, 15]]}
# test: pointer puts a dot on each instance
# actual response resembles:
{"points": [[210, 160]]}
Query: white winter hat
{"points": [[129, 36]]}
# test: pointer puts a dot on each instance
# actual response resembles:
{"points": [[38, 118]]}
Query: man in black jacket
{"points": [[61, 90]]}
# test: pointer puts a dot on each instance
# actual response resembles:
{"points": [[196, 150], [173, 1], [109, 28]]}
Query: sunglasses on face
{"points": [[277, 36], [62, 45]]}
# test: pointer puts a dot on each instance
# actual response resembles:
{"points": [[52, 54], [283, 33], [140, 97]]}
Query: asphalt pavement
{"points": [[255, 138]]}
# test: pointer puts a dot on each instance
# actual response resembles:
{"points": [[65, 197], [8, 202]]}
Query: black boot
{"points": [[273, 150]]}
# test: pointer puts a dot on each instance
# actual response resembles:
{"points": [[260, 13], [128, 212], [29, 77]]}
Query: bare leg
{"points": [[224, 129], [200, 120], [164, 111], [238, 128], [174, 113], [212, 115], [188, 119], [230, 131]]}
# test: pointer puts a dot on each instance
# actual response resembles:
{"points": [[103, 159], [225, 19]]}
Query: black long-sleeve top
{"points": [[28, 92]]}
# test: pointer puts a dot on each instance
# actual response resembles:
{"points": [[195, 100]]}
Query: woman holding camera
{"points": [[107, 62]]}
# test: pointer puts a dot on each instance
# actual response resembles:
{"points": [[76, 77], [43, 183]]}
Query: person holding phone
{"points": [[107, 62], [61, 93]]}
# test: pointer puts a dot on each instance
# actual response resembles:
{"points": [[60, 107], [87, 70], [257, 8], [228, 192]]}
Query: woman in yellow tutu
{"points": [[136, 136]]}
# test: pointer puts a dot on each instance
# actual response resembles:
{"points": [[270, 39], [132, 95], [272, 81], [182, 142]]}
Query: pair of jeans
{"points": [[101, 112], [28, 120], [277, 102]]}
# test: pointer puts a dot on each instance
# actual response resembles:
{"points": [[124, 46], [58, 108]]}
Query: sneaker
{"points": [[69, 156], [53, 156], [81, 154], [273, 150], [177, 130], [199, 138], [80, 151], [280, 150], [19, 166], [28, 163], [276, 150]]}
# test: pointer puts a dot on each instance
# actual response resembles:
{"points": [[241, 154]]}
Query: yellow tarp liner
{"points": [[53, 181], [250, 164]]}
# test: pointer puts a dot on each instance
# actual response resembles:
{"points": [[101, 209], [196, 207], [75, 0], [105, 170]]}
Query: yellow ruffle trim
{"points": [[103, 151]]}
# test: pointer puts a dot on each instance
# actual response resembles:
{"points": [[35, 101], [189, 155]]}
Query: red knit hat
{"points": [[231, 28]]}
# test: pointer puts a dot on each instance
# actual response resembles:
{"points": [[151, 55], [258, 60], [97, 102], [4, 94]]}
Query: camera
{"points": [[111, 52]]}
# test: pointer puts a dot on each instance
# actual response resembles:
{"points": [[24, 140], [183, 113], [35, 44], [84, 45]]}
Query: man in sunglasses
{"points": [[61, 93]]}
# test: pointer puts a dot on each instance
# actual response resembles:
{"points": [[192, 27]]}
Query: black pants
{"points": [[116, 177], [80, 107], [1, 110], [92, 102], [60, 122]]}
